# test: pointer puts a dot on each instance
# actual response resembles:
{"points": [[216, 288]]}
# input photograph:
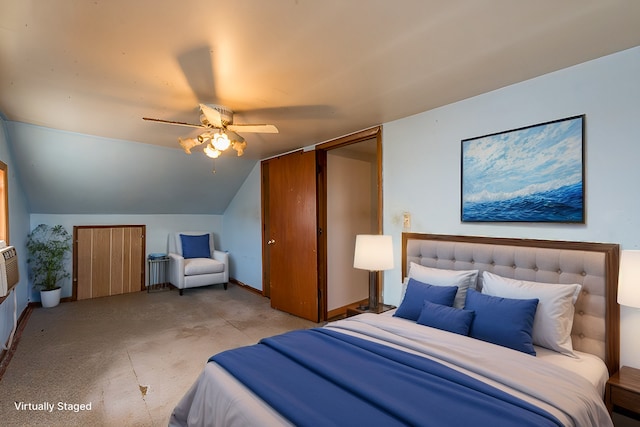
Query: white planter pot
{"points": [[50, 298]]}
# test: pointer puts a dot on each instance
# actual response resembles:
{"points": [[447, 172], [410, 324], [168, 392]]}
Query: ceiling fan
{"points": [[219, 131]]}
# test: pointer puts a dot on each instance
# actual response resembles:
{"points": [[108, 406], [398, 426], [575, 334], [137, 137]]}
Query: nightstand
{"points": [[353, 309], [623, 391]]}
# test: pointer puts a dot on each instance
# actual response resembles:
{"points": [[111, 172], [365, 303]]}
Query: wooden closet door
{"points": [[108, 260], [291, 234]]}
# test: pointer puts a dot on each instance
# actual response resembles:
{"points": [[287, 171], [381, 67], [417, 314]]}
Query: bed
{"points": [[546, 364]]}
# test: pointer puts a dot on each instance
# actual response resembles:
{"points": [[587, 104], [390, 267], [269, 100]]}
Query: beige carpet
{"points": [[127, 360]]}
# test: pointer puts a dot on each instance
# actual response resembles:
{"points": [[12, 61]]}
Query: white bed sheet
{"points": [[218, 399], [588, 366]]}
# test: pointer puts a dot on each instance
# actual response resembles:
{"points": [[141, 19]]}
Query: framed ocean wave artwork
{"points": [[530, 174]]}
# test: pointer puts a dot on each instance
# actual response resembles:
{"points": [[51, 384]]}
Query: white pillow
{"points": [[463, 279], [554, 315]]}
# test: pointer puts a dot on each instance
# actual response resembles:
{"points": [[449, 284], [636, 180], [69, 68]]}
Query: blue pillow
{"points": [[450, 319], [418, 292], [195, 246], [504, 321]]}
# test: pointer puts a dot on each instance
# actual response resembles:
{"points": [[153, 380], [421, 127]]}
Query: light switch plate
{"points": [[406, 221]]}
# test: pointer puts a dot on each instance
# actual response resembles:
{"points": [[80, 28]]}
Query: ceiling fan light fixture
{"points": [[239, 147], [188, 143], [212, 152], [218, 131], [220, 141]]}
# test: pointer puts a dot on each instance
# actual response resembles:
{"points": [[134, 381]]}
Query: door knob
{"points": [[271, 242]]}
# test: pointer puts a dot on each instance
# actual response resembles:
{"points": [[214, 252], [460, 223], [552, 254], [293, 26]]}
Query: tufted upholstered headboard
{"points": [[596, 324]]}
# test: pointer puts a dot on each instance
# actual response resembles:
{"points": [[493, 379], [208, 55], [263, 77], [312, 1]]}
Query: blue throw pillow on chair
{"points": [[195, 246]]}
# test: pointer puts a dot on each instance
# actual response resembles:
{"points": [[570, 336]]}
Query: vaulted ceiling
{"points": [[315, 69]]}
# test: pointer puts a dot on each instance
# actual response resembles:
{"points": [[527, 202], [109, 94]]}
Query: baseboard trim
{"points": [[245, 286], [6, 355]]}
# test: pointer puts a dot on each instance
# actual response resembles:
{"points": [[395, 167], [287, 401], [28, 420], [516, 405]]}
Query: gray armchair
{"points": [[193, 261]]}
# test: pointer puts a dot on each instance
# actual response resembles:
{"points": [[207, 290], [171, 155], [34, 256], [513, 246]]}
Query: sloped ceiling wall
{"points": [[64, 172]]}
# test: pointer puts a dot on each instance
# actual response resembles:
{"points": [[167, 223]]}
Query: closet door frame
{"points": [[364, 135]]}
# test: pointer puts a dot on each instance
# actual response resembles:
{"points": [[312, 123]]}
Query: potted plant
{"points": [[48, 248]]}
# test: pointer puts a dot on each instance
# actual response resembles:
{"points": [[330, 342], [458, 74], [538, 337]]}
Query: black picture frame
{"points": [[529, 174]]}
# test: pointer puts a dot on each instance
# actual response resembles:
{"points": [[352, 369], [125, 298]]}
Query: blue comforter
{"points": [[319, 377]]}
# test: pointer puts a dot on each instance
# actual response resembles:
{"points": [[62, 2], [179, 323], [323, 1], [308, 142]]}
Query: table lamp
{"points": [[374, 252], [629, 279]]}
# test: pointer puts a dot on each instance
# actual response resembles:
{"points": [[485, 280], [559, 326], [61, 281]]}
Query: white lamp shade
{"points": [[374, 252], [629, 279]]}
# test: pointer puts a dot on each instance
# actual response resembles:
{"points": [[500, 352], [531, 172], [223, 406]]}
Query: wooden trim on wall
{"points": [[4, 175], [321, 213], [351, 138], [264, 203], [264, 182], [245, 286], [380, 194]]}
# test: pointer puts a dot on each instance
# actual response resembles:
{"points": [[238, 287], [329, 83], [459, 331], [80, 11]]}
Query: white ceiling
{"points": [[315, 69]]}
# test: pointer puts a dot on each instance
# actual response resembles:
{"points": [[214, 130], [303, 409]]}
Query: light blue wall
{"points": [[421, 162], [158, 228], [242, 232], [18, 230]]}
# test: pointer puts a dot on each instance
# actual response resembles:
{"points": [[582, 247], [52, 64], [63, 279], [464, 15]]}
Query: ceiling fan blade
{"points": [[197, 67], [253, 128], [171, 122], [213, 116], [234, 136]]}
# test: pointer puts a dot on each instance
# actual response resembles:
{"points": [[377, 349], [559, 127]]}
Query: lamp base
{"points": [[373, 291]]}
